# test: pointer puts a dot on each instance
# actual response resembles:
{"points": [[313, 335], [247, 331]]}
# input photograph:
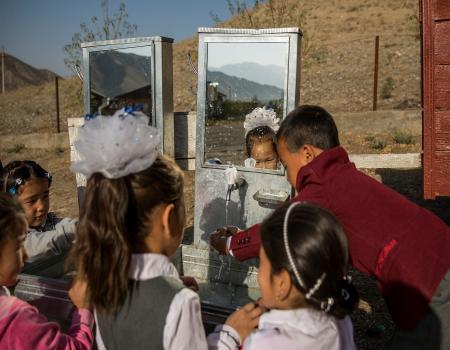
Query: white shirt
{"points": [[303, 328], [183, 326]]}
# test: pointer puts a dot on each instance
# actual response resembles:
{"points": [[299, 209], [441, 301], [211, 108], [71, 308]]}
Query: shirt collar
{"points": [[48, 225], [4, 291], [305, 320], [147, 266], [323, 163]]}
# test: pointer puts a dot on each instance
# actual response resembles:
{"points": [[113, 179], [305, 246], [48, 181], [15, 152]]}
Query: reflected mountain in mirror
{"points": [[119, 78], [244, 79]]}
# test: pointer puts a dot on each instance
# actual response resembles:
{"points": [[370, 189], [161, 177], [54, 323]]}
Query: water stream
{"points": [[225, 262]]}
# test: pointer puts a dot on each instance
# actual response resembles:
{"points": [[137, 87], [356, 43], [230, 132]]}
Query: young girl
{"points": [[131, 224], [303, 281], [49, 238], [21, 325], [260, 126]]}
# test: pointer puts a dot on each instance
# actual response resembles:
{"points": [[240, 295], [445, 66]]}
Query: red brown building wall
{"points": [[435, 15]]}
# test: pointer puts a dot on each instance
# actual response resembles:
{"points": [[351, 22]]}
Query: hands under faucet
{"points": [[218, 238]]}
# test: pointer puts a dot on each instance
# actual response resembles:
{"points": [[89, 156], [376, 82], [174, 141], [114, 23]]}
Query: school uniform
{"points": [[47, 246], [404, 246], [23, 327], [158, 312], [295, 329]]}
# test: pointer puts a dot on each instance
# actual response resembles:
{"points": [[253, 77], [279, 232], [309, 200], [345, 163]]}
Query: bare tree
{"points": [[239, 8], [111, 26], [281, 13]]}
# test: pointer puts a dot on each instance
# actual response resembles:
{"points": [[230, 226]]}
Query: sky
{"points": [[35, 31], [220, 54]]}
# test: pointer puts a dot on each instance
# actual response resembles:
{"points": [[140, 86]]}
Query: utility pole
{"points": [[3, 69]]}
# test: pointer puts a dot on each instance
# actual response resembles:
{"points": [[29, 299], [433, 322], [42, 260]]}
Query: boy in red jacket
{"points": [[404, 246]]}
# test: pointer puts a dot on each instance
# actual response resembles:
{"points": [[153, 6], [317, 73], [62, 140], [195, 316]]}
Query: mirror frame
{"points": [[291, 36], [161, 80]]}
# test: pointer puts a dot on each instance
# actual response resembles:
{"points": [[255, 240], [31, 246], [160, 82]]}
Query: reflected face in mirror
{"points": [[119, 78], [243, 78], [264, 154], [261, 148]]}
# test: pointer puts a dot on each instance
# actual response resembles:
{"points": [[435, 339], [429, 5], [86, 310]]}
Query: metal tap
{"points": [[234, 181]]}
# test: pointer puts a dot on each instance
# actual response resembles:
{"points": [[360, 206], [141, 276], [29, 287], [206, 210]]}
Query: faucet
{"points": [[228, 195], [234, 181]]}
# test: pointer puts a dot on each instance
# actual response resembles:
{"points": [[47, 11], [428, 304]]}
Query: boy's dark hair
{"points": [[12, 217], [16, 173], [309, 125], [318, 246], [260, 134], [114, 221]]}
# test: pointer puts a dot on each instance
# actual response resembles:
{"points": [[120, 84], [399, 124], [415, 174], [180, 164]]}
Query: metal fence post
{"points": [[57, 105], [375, 73]]}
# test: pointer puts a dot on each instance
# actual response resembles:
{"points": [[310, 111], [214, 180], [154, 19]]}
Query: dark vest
{"points": [[139, 322]]}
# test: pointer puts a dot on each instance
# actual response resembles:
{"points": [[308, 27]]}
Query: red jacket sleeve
{"points": [[245, 244]]}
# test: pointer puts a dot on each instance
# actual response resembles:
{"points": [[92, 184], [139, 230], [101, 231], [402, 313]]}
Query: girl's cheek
{"points": [[29, 216]]}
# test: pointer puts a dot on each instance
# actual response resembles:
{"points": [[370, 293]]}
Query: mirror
{"points": [[119, 78], [245, 94]]}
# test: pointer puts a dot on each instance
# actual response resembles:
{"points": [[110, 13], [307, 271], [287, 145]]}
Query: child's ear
{"points": [[309, 152], [305, 154], [283, 285], [166, 215]]}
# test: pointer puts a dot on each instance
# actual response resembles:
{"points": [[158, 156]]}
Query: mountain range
{"points": [[262, 74], [240, 89], [114, 73], [19, 74]]}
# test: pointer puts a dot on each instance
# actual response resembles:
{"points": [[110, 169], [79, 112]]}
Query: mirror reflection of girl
{"points": [[49, 237], [21, 325], [260, 127], [303, 281], [130, 226]]}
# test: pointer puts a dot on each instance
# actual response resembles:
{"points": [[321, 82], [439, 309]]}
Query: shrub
{"points": [[376, 143], [404, 138], [387, 88]]}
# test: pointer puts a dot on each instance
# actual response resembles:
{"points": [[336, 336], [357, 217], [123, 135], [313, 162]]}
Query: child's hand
{"points": [[77, 293], [260, 303], [219, 237], [190, 282], [245, 320]]}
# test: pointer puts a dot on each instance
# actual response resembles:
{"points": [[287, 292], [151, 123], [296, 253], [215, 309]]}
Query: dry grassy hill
{"points": [[33, 109], [337, 61], [19, 74], [338, 51]]}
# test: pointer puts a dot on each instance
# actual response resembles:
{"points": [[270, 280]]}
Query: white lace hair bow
{"points": [[116, 146], [261, 117]]}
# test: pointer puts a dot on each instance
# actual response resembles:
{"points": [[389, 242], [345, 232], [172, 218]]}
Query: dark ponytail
{"points": [[319, 249], [103, 239], [114, 221]]}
